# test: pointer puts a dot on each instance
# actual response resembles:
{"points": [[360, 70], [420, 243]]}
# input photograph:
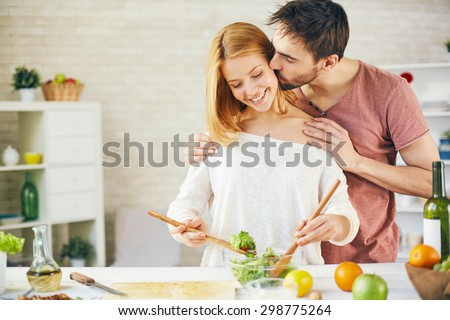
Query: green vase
{"points": [[29, 199]]}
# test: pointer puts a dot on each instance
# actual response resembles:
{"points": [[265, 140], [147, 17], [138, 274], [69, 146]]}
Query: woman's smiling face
{"points": [[251, 80]]}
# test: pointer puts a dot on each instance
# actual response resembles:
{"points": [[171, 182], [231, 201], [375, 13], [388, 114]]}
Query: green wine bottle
{"points": [[29, 199], [435, 214]]}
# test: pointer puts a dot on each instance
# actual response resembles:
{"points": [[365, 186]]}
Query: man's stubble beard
{"points": [[298, 82]]}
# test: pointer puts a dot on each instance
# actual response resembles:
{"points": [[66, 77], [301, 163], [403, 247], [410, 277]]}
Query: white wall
{"points": [[144, 61]]}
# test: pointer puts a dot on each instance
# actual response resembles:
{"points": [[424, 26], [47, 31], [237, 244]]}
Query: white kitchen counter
{"points": [[400, 287]]}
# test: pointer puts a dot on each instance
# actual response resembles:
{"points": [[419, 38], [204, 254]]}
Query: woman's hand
{"points": [[325, 227], [192, 239]]}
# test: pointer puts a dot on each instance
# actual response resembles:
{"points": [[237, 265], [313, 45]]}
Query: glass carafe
{"points": [[44, 274]]}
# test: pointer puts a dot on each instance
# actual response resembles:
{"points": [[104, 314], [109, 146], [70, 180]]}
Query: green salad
{"points": [[10, 243], [243, 241], [252, 267]]}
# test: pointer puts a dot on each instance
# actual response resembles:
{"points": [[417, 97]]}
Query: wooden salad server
{"points": [[209, 237], [286, 257]]}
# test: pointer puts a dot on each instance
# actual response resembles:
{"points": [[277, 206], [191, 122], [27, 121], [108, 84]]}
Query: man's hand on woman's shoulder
{"points": [[203, 148]]}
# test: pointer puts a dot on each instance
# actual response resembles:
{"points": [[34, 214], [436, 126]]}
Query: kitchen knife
{"points": [[81, 278]]}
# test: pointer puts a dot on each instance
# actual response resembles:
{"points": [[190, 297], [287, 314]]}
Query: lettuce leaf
{"points": [[243, 241], [10, 243]]}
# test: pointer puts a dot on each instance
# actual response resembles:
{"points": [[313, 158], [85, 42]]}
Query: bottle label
{"points": [[432, 233]]}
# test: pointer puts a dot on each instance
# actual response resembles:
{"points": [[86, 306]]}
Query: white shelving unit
{"points": [[431, 83], [70, 179]]}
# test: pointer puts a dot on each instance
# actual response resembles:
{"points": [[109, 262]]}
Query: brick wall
{"points": [[9, 181], [144, 61]]}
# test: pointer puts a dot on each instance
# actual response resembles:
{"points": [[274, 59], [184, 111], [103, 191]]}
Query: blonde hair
{"points": [[222, 108]]}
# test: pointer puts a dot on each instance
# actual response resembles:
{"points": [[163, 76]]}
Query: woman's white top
{"points": [[266, 187]]}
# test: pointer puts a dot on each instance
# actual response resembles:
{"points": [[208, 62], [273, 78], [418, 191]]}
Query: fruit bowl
{"points": [[429, 284], [62, 92], [247, 268]]}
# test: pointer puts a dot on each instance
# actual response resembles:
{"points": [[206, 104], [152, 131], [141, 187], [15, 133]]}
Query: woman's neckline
{"points": [[260, 137]]}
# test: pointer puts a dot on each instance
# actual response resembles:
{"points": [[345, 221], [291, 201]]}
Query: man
{"points": [[379, 112]]}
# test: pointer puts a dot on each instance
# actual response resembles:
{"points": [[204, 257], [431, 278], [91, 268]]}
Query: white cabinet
{"points": [[70, 179], [431, 83]]}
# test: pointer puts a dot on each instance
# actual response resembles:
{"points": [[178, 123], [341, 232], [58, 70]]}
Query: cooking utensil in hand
{"points": [[209, 237], [280, 264], [81, 278]]}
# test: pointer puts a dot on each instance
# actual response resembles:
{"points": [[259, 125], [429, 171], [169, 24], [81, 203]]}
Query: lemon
{"points": [[300, 279]]}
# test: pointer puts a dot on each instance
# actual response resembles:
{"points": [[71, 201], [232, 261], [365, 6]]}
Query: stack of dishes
{"points": [[10, 218]]}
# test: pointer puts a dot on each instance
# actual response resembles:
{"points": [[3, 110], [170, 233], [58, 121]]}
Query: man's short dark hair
{"points": [[321, 24]]}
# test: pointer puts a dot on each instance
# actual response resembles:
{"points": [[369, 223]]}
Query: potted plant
{"points": [[26, 81], [77, 250], [446, 134], [9, 244], [447, 44]]}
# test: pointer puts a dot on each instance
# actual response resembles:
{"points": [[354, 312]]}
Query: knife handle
{"points": [[81, 278]]}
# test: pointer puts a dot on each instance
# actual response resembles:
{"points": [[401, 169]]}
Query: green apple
{"points": [[369, 287], [60, 78]]}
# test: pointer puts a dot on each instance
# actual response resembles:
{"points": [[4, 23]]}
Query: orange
{"points": [[345, 273], [424, 256]]}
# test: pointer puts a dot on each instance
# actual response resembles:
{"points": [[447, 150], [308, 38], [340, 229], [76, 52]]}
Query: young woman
{"points": [[264, 179]]}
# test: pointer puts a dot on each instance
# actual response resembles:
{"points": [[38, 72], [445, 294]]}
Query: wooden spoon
{"points": [[286, 257], [175, 223]]}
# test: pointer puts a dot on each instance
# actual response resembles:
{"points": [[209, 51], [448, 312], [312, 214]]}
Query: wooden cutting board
{"points": [[195, 290]]}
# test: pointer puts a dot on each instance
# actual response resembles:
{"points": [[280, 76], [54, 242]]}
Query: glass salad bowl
{"points": [[249, 268]]}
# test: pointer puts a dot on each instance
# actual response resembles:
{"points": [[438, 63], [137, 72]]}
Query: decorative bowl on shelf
{"points": [[32, 157], [408, 76], [429, 284]]}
